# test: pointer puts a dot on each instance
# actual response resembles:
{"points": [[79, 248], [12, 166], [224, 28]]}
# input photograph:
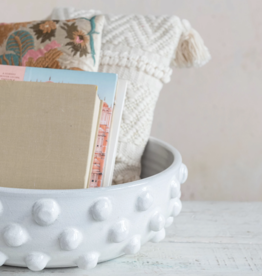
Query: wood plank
{"points": [[208, 238]]}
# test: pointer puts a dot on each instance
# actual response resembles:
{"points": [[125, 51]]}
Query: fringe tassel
{"points": [[191, 50]]}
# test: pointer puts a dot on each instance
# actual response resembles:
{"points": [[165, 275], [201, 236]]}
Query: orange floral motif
{"points": [[45, 30], [80, 38], [47, 26], [6, 29], [48, 60]]}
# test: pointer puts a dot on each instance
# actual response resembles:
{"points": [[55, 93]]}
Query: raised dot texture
{"points": [[144, 201], [120, 231], [133, 245], [169, 221], [88, 261], [3, 258], [14, 235], [175, 189], [70, 239], [159, 236], [102, 209], [45, 211], [177, 207], [157, 222], [36, 261], [183, 173], [171, 207]]}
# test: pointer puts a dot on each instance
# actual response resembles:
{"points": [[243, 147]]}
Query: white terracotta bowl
{"points": [[66, 228]]}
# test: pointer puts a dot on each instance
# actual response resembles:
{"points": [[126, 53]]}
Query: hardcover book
{"points": [[114, 132], [106, 84], [48, 133]]}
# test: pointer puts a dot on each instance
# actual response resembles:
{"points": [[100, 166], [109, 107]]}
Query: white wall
{"points": [[216, 111]]}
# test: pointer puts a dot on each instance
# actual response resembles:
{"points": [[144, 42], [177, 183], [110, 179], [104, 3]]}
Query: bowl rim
{"points": [[177, 161]]}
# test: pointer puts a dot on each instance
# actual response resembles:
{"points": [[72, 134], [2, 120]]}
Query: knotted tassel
{"points": [[191, 50]]}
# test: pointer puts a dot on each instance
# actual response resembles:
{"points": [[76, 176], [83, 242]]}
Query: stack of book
{"points": [[59, 128]]}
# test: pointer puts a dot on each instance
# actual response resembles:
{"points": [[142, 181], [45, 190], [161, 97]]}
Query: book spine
{"points": [[101, 147]]}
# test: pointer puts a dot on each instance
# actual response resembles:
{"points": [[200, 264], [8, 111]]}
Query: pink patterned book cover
{"points": [[106, 83]]}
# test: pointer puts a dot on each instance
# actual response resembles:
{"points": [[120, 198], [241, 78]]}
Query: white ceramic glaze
{"points": [[45, 211], [119, 231], [36, 261], [157, 222], [14, 235], [101, 210], [133, 245], [159, 236], [88, 261], [66, 228], [169, 222], [144, 201], [1, 208], [70, 239], [3, 258], [175, 189]]}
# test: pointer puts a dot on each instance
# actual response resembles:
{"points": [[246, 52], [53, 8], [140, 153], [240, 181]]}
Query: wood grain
{"points": [[207, 238]]}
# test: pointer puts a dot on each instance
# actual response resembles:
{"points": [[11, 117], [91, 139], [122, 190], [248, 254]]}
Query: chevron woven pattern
{"points": [[149, 33], [140, 49]]}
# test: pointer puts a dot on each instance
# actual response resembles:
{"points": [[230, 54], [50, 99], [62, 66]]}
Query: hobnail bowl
{"points": [[67, 228]]}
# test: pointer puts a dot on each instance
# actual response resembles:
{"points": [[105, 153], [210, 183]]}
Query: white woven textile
{"points": [[141, 49]]}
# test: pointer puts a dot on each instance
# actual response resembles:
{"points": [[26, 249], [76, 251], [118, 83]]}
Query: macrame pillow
{"points": [[72, 44], [141, 49]]}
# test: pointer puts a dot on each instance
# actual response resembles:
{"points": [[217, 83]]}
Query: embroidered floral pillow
{"points": [[71, 44]]}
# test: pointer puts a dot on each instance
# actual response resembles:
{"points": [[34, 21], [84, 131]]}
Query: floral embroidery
{"points": [[45, 30], [76, 69], [48, 60], [48, 26], [40, 52], [19, 43], [91, 33], [79, 39], [36, 43], [69, 29], [9, 59], [6, 29]]}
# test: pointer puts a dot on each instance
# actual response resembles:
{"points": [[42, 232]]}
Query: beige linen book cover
{"points": [[47, 134]]}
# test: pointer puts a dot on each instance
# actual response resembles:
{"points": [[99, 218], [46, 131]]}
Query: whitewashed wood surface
{"points": [[207, 238]]}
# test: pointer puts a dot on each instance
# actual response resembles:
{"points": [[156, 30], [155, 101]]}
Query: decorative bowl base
{"points": [[67, 228]]}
